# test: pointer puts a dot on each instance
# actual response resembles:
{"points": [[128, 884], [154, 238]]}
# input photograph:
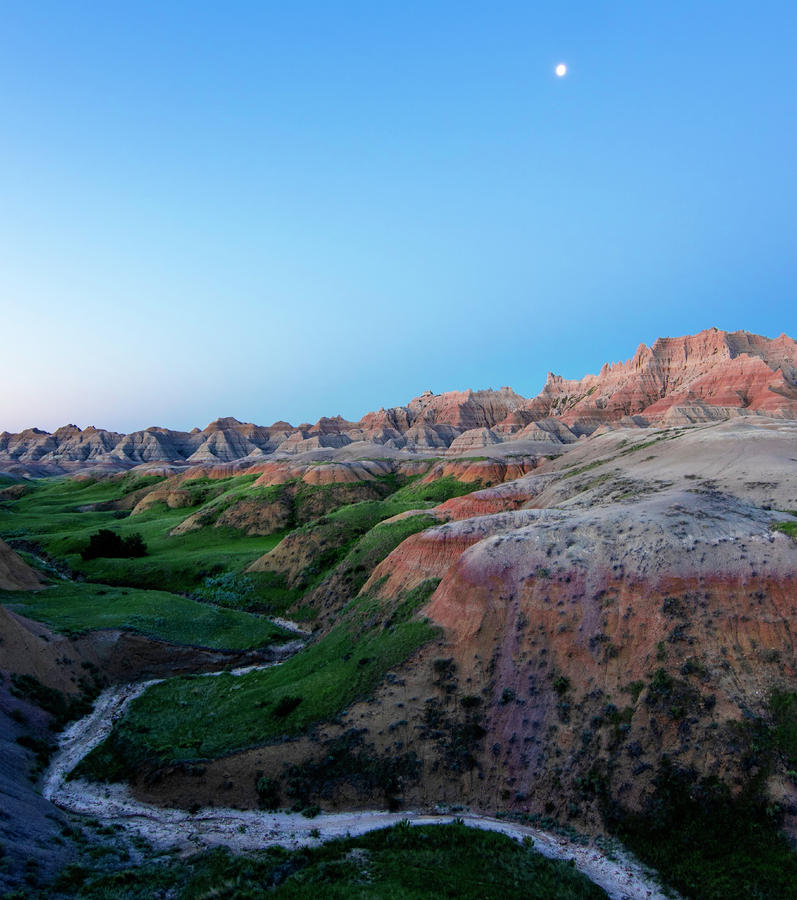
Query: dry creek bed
{"points": [[621, 876]]}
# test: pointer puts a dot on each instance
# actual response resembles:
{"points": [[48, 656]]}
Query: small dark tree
{"points": [[106, 543], [134, 546], [268, 792]]}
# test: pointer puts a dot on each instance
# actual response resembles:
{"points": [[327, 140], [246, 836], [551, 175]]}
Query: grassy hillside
{"points": [[60, 515], [400, 863], [188, 719], [78, 607]]}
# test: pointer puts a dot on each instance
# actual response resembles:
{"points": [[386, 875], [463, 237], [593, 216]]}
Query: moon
{"points": [[561, 70]]}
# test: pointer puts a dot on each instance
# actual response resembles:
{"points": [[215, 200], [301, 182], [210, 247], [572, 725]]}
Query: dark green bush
{"points": [[268, 792], [707, 843], [107, 543]]}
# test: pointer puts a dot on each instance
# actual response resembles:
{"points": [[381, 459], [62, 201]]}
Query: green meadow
{"points": [[192, 718], [165, 594], [57, 515], [78, 607]]}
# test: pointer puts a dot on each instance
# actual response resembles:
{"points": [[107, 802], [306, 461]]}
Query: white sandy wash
{"points": [[290, 625], [622, 877]]}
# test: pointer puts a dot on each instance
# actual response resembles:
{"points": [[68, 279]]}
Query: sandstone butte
{"points": [[705, 377]]}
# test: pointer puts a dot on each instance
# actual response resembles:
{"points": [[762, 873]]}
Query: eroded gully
{"points": [[240, 830]]}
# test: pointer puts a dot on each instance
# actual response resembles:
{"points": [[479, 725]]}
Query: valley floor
{"points": [[622, 877]]}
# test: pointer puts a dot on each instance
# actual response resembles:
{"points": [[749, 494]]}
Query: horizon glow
{"points": [[282, 212]]}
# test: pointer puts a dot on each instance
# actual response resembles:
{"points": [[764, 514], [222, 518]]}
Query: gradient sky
{"points": [[285, 210]]}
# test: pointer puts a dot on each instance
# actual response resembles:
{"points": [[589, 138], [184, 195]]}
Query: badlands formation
{"points": [[612, 583], [629, 601], [706, 377]]}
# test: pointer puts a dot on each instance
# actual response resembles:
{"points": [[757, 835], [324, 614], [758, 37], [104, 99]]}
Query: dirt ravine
{"points": [[619, 875]]}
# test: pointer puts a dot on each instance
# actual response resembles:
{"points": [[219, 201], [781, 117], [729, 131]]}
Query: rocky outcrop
{"points": [[635, 601], [16, 575], [546, 430], [473, 439], [705, 377], [737, 370], [483, 470], [501, 498], [430, 554], [154, 445]]}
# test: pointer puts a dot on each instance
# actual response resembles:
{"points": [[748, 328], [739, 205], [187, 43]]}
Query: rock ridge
{"points": [[706, 377]]}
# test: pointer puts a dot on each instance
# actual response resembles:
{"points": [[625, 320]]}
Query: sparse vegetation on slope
{"points": [[710, 843], [189, 719]]}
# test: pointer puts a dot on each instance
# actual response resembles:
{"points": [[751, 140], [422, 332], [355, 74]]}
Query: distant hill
{"points": [[706, 377]]}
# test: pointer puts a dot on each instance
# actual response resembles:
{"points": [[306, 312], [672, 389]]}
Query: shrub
{"points": [[107, 543], [268, 792], [348, 761], [708, 843], [229, 589]]}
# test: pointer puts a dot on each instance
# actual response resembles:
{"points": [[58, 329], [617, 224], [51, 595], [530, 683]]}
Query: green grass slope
{"points": [[57, 515], [77, 607], [184, 720], [399, 863]]}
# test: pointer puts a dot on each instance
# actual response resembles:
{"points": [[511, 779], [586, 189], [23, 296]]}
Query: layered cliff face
{"points": [[710, 376], [676, 616], [628, 602], [713, 370], [634, 602]]}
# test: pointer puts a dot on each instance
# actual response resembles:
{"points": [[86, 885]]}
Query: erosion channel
{"points": [[622, 877]]}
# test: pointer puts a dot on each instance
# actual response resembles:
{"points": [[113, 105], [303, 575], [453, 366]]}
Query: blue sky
{"points": [[273, 210]]}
